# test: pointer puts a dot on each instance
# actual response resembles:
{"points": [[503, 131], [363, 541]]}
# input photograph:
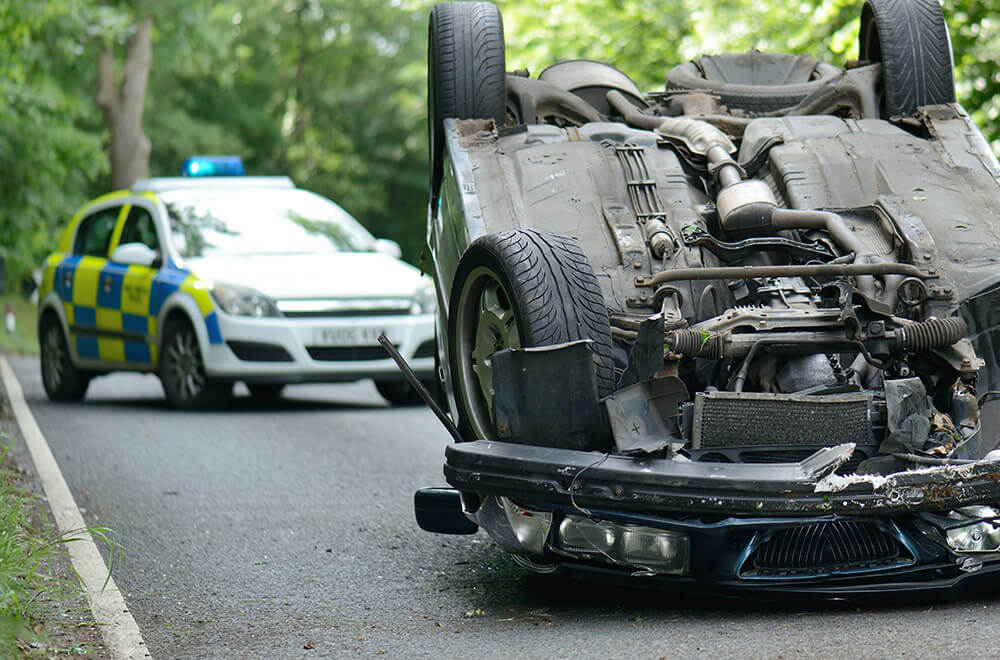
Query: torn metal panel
{"points": [[643, 416]]}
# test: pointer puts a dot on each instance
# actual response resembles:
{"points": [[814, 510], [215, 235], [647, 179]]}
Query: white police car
{"points": [[213, 278]]}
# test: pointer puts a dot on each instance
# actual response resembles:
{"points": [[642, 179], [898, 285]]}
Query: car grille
{"points": [[825, 547], [255, 351], [346, 353], [426, 349], [326, 314], [315, 309]]}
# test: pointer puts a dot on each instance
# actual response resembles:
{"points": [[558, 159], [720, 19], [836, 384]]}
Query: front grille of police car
{"points": [[346, 353], [336, 308]]}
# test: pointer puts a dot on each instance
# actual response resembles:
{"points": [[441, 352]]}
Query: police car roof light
{"points": [[212, 166]]}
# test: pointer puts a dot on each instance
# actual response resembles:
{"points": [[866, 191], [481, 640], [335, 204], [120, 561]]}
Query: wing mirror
{"points": [[388, 248], [136, 254]]}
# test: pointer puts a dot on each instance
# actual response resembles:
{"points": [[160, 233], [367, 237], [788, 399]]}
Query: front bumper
{"points": [[305, 358], [729, 512]]}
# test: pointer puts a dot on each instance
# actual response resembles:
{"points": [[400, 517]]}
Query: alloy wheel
{"points": [[486, 324], [184, 367], [53, 357]]}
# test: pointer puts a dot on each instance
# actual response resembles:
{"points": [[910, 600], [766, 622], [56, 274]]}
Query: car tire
{"points": [[182, 370], [910, 39], [532, 289], [401, 393], [265, 392], [753, 98], [466, 70], [60, 378]]}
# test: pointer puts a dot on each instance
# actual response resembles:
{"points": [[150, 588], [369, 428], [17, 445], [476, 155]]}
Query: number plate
{"points": [[346, 336]]}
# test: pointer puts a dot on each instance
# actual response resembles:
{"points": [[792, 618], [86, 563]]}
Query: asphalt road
{"points": [[287, 531]]}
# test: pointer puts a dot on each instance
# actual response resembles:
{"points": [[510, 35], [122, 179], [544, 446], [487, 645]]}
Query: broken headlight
{"points": [[981, 534], [530, 527], [649, 549]]}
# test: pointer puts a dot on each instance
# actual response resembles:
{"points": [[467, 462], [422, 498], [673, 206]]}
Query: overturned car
{"points": [[736, 333]]}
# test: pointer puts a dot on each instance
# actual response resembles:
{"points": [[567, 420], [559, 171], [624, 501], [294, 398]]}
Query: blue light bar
{"points": [[212, 166]]}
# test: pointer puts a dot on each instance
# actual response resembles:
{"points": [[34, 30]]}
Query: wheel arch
{"points": [[180, 305]]}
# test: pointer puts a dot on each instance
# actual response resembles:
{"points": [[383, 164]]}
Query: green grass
{"points": [[24, 340], [31, 583], [24, 554]]}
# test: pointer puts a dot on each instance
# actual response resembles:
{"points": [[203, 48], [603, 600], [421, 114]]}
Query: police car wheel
{"points": [[401, 393], [182, 371], [265, 392], [62, 380]]}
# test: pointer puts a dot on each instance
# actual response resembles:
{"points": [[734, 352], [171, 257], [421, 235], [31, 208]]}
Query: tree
{"points": [[122, 104], [50, 149]]}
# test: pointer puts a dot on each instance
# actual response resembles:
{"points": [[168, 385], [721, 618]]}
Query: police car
{"points": [[214, 277]]}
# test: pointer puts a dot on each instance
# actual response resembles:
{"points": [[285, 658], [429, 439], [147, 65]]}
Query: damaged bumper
{"points": [[656, 485], [786, 528]]}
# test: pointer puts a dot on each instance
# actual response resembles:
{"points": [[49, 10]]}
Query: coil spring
{"points": [[695, 343], [932, 333]]}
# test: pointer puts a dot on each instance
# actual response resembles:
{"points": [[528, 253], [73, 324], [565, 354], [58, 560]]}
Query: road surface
{"points": [[287, 531]]}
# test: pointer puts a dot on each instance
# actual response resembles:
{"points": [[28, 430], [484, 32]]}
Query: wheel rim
{"points": [[185, 370], [486, 323], [53, 355]]}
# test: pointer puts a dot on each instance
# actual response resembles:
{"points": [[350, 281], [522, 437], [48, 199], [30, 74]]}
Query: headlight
{"points": [[649, 549], [243, 301], [981, 536], [425, 299]]}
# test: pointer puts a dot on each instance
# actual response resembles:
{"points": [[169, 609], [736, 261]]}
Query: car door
{"points": [[130, 285], [77, 281]]}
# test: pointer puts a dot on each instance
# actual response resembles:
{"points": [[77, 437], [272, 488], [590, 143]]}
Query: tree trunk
{"points": [[122, 106]]}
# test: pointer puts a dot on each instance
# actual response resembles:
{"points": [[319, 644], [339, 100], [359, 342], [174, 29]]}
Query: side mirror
{"points": [[135, 254], [388, 248]]}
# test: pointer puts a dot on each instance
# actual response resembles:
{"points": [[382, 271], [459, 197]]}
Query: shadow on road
{"points": [[503, 587], [238, 404]]}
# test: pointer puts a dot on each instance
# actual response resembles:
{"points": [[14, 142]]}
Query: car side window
{"points": [[94, 235], [140, 228]]}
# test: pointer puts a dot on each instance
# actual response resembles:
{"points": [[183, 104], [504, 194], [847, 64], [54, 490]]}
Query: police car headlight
{"points": [[243, 301], [424, 299]]}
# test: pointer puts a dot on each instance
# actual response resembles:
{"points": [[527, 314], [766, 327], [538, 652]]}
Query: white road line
{"points": [[120, 631]]}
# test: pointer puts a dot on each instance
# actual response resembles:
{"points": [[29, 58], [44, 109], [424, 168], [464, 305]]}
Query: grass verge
{"points": [[24, 339], [32, 584]]}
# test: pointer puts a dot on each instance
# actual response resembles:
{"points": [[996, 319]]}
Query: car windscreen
{"points": [[239, 222]]}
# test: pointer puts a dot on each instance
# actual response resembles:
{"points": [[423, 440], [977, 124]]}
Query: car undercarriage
{"points": [[738, 332]]}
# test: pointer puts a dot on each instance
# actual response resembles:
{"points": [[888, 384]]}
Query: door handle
{"points": [[107, 282], [67, 280]]}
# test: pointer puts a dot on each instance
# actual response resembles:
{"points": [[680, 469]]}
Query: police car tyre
{"points": [[265, 392], [466, 70], [62, 380], [518, 289], [401, 393], [910, 38], [182, 370]]}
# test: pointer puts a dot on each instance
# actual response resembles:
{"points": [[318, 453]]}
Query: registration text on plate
{"points": [[347, 336]]}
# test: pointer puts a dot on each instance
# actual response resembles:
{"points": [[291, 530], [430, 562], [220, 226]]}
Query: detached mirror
{"points": [[388, 248], [135, 254]]}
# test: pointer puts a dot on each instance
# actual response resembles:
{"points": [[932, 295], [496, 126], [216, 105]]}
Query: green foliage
{"points": [[48, 155], [330, 93]]}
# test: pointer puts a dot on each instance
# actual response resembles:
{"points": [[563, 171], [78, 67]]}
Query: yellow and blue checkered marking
{"points": [[113, 308]]}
